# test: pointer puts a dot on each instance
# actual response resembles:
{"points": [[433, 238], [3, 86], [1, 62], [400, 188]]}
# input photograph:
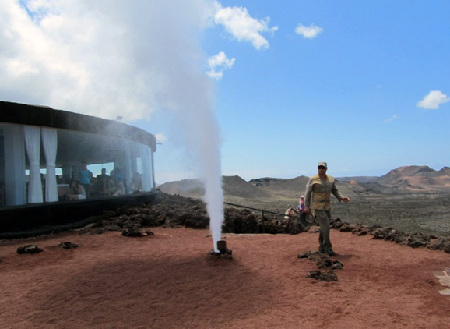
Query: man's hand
{"points": [[307, 211], [345, 199]]}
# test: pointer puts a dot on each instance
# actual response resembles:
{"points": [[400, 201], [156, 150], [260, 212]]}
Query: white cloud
{"points": [[118, 58], [392, 118], [100, 57], [109, 58], [433, 100], [218, 63], [243, 27], [309, 32]]}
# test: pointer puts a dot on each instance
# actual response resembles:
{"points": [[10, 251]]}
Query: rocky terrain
{"points": [[408, 199], [150, 265], [177, 211], [390, 207], [387, 208]]}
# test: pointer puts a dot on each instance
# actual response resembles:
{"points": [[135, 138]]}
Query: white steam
{"points": [[118, 58]]}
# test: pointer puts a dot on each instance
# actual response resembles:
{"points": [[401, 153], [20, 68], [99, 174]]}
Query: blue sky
{"points": [[282, 85]]}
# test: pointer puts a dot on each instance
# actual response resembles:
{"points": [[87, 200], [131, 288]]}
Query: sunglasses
{"points": [[322, 167]]}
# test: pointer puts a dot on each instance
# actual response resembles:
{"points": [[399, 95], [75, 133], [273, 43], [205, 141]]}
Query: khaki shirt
{"points": [[318, 192]]}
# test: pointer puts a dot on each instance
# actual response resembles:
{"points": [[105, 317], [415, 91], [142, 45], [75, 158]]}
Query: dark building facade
{"points": [[42, 151]]}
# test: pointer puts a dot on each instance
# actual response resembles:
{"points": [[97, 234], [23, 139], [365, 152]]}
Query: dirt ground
{"points": [[169, 280]]}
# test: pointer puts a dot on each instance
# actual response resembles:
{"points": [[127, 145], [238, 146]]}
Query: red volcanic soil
{"points": [[169, 280]]}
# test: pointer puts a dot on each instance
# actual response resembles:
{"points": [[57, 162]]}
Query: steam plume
{"points": [[118, 58]]}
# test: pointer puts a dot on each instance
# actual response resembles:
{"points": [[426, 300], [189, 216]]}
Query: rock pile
{"points": [[29, 249], [326, 266], [136, 232], [323, 276], [165, 210], [176, 211], [413, 240], [67, 245]]}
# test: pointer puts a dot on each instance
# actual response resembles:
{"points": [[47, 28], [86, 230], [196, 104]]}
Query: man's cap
{"points": [[323, 163]]}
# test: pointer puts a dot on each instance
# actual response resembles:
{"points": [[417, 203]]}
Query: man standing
{"points": [[317, 198], [104, 183], [85, 178]]}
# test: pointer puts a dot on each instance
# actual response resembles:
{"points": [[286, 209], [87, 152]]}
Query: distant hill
{"points": [[236, 186], [360, 179], [401, 180], [185, 187], [280, 183], [419, 178]]}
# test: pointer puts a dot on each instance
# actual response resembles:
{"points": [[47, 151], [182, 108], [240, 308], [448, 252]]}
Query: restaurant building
{"points": [[42, 151]]}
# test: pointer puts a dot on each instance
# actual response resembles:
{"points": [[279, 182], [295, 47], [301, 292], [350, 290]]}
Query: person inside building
{"points": [[85, 178], [137, 182], [104, 183], [119, 189], [117, 176], [76, 191]]}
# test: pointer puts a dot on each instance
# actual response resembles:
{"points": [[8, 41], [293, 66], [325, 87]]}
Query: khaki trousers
{"points": [[323, 217]]}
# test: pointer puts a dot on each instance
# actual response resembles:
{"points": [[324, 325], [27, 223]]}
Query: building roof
{"points": [[41, 116]]}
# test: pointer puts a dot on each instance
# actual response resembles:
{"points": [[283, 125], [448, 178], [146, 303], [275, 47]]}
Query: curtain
{"points": [[146, 168], [33, 143], [152, 171], [127, 170], [15, 191], [50, 143]]}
